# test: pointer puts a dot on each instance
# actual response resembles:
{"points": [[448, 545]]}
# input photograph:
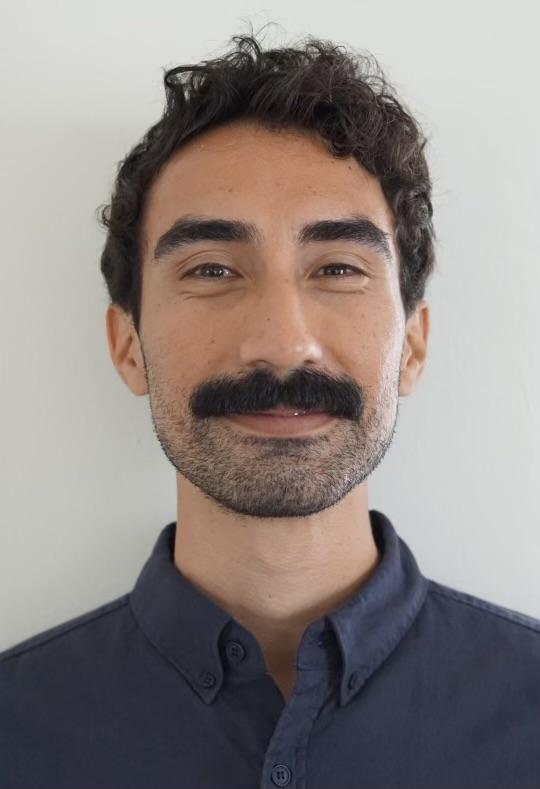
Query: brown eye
{"points": [[343, 266], [205, 266]]}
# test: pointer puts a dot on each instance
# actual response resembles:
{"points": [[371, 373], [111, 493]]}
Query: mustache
{"points": [[303, 390]]}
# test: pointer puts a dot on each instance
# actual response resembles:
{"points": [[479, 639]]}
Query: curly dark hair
{"points": [[318, 87]]}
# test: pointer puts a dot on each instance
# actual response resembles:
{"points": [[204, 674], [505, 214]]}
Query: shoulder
{"points": [[463, 626], [463, 604], [69, 635]]}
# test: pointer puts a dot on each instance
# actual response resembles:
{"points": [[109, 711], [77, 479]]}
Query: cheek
{"points": [[374, 349], [182, 349]]}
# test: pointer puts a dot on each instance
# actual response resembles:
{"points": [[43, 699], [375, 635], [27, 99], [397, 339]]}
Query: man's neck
{"points": [[275, 580]]}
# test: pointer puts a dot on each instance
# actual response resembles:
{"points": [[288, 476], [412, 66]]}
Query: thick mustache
{"points": [[303, 392]]}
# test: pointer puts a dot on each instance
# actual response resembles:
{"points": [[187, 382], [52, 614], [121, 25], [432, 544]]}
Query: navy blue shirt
{"points": [[409, 685]]}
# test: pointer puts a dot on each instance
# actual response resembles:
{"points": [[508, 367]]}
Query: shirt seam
{"points": [[509, 616], [115, 605]]}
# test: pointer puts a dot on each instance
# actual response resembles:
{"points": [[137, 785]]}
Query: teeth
{"points": [[280, 411], [283, 412]]}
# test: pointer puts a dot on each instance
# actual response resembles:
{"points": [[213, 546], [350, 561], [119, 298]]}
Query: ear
{"points": [[125, 349], [414, 353]]}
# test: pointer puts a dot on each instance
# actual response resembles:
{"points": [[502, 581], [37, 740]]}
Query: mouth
{"points": [[282, 411], [282, 421]]}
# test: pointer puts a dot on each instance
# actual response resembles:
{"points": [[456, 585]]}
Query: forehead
{"points": [[276, 179]]}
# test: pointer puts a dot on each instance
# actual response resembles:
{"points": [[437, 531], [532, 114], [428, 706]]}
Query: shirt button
{"points": [[235, 651], [281, 775], [207, 679], [353, 680]]}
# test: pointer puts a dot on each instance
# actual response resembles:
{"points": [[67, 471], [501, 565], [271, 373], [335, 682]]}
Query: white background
{"points": [[85, 487]]}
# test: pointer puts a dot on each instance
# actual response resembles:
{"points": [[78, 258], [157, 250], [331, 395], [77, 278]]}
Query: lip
{"points": [[280, 424]]}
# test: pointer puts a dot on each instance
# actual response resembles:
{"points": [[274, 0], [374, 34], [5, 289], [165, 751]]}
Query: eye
{"points": [[207, 266], [344, 266]]}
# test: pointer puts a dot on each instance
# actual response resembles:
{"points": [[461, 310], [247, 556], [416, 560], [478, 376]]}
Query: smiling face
{"points": [[258, 315]]}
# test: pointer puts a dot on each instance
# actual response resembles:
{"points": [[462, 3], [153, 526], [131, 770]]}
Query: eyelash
{"points": [[191, 273]]}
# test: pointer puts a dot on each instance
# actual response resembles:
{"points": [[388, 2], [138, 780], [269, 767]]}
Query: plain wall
{"points": [[85, 485]]}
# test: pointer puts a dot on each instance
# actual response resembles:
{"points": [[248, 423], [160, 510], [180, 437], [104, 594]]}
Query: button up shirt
{"points": [[409, 685]]}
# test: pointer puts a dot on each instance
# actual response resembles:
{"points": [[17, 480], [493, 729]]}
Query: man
{"points": [[269, 242]]}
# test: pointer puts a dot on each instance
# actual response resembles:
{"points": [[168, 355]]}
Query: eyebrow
{"points": [[192, 228]]}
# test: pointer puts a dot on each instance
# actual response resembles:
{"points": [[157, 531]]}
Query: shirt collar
{"points": [[200, 638]]}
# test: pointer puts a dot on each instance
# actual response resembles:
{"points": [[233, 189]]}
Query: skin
{"points": [[278, 537]]}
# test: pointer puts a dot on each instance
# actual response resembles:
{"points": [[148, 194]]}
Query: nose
{"points": [[279, 334]]}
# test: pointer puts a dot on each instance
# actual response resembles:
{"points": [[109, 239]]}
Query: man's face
{"points": [[272, 322]]}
